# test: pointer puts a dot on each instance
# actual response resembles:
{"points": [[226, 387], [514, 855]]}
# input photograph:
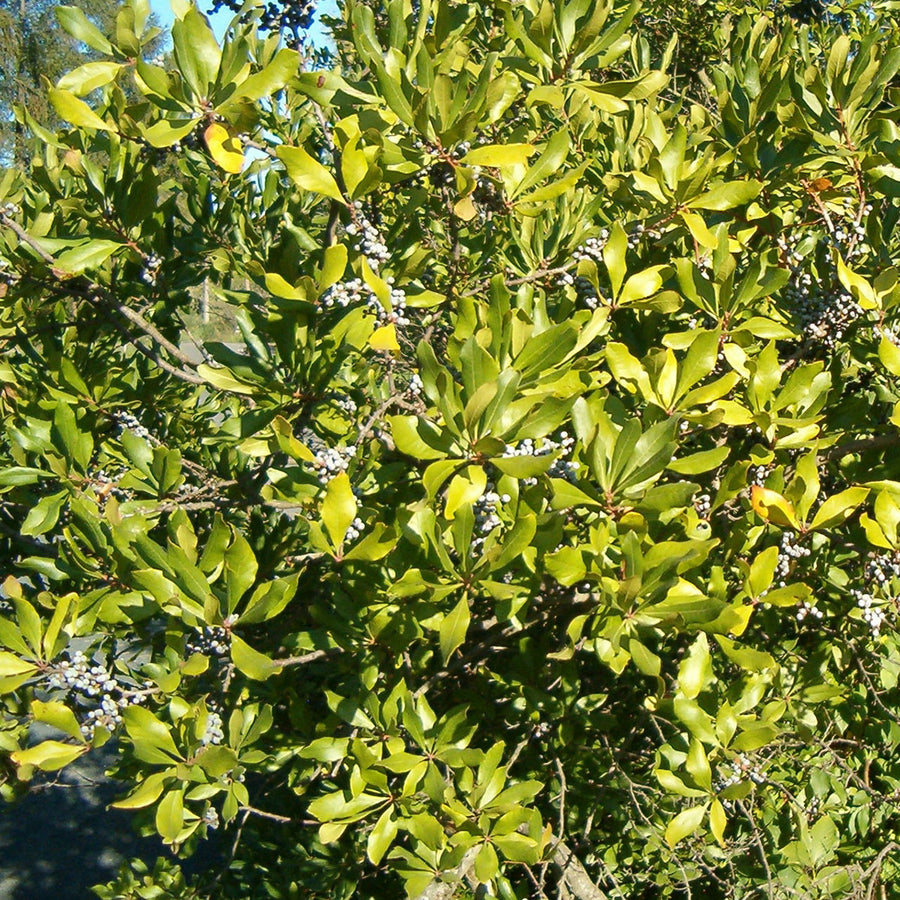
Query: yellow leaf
{"points": [[718, 821], [465, 209], [385, 338], [772, 507], [224, 149]]}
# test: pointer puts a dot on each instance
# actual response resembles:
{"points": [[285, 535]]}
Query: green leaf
{"points": [[76, 23], [170, 816], [89, 77], [695, 671], [727, 195], [338, 508], [251, 662], [269, 599], [486, 863], [465, 489], [267, 81], [59, 716], [88, 255], [10, 664], [69, 108], [839, 507], [548, 163], [698, 766], [454, 627], [143, 726], [308, 173], [381, 836], [685, 824], [45, 514], [196, 52], [148, 791], [49, 755], [717, 822]]}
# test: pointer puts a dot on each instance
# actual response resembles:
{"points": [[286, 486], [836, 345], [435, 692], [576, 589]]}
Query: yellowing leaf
{"points": [[697, 227], [465, 209], [338, 508], [48, 755], [465, 488], [279, 287], [772, 507], [385, 338], [718, 821], [224, 149], [499, 155]]}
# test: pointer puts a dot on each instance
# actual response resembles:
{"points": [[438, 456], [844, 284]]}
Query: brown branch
{"points": [[861, 445], [305, 658], [100, 294], [274, 817], [444, 890], [574, 875]]}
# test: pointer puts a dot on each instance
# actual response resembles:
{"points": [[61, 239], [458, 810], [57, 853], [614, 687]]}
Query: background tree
{"points": [[538, 536], [33, 47]]}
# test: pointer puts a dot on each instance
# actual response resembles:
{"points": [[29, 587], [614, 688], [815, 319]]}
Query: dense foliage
{"points": [[538, 536]]}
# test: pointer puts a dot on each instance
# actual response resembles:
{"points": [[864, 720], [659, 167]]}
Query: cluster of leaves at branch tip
{"points": [[525, 521]]}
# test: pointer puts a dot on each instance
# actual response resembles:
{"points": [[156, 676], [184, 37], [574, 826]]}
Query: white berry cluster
{"points": [[344, 294], [346, 404], [845, 229], [635, 235], [742, 768], [96, 687], [396, 315], [214, 732], [127, 422], [368, 240], [873, 615], [758, 475], [415, 385], [488, 197], [461, 149], [355, 293], [487, 519], [826, 315], [559, 468], [824, 312], [210, 818], [151, 268], [6, 276], [703, 504], [212, 641], [357, 527], [10, 209], [788, 551], [331, 461], [886, 331], [592, 248], [585, 292], [106, 483], [882, 568], [806, 609]]}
